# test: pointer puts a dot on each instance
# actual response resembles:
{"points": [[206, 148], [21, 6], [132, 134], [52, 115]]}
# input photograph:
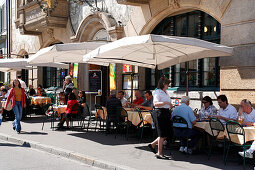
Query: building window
{"points": [[53, 77], [203, 72], [2, 18]]}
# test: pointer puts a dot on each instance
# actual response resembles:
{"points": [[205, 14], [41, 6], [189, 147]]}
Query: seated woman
{"points": [[40, 91], [82, 99], [71, 102], [208, 108], [31, 91]]}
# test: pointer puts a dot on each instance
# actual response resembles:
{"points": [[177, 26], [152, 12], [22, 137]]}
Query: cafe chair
{"points": [[141, 124], [101, 120], [235, 129], [184, 129], [88, 117], [49, 115], [153, 127], [216, 127], [74, 116]]}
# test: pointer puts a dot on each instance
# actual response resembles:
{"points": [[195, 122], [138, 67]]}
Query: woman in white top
{"points": [[162, 103], [208, 109]]}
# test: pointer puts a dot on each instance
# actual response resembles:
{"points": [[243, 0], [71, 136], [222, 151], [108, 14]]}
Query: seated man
{"points": [[186, 112], [139, 100], [122, 98], [249, 119], [40, 91], [4, 94], [226, 111], [112, 106], [148, 104]]}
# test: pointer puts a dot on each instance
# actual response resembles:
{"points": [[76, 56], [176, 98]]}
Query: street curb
{"points": [[92, 161]]}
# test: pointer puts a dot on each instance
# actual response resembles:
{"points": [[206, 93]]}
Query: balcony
{"points": [[133, 2], [31, 19]]}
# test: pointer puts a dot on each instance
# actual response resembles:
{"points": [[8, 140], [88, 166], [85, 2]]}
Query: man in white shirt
{"points": [[22, 83], [226, 111], [122, 98], [249, 119]]}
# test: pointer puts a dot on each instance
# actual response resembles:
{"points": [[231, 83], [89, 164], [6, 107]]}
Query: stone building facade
{"points": [[113, 19]]}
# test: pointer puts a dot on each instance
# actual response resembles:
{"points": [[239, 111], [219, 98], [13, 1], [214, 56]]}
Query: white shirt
{"points": [[161, 96], [230, 113], [23, 84], [123, 101], [249, 117]]}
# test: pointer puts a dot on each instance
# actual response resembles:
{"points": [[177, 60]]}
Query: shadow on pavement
{"points": [[216, 161], [104, 139], [33, 133], [14, 145]]}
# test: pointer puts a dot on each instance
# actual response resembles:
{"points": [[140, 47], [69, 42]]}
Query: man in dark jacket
{"points": [[113, 106]]}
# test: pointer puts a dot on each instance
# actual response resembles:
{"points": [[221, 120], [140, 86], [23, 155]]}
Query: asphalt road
{"points": [[16, 157]]}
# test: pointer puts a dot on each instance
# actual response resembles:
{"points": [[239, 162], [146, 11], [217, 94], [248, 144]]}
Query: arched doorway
{"points": [[203, 73]]}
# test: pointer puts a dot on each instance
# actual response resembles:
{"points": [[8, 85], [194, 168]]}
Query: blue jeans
{"points": [[18, 115]]}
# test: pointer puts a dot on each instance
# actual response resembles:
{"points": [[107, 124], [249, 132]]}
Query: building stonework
{"points": [[122, 18]]}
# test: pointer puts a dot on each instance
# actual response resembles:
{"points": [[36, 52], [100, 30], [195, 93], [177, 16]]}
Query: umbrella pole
{"points": [[187, 79], [132, 77], [32, 76]]}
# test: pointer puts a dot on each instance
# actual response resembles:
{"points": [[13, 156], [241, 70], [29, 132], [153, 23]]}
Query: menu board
{"points": [[95, 83]]}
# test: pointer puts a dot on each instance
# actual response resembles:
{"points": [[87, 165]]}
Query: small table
{"points": [[39, 100], [60, 109], [249, 133], [8, 108], [133, 117]]}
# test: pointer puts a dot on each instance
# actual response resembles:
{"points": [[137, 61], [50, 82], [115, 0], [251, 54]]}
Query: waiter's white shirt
{"points": [[161, 96]]}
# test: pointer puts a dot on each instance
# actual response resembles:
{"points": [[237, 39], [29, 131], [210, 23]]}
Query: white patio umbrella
{"points": [[155, 51], [21, 63], [69, 53]]}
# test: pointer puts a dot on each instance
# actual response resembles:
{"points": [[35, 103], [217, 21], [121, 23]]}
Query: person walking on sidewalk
{"points": [[162, 103], [17, 98]]}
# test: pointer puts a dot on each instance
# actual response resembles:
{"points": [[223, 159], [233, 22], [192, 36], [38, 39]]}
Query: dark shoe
{"points": [[160, 156], [152, 149], [14, 128], [18, 132]]}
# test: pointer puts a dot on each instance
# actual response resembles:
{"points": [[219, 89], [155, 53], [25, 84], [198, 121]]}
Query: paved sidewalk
{"points": [[97, 149]]}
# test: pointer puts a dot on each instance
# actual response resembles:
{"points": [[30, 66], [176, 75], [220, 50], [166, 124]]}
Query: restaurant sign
{"points": [[95, 81]]}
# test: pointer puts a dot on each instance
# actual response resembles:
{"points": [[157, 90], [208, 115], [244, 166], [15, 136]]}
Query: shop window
{"points": [[203, 72]]}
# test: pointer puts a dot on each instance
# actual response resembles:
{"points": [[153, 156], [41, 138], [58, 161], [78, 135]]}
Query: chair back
{"points": [[235, 129], [181, 120], [86, 111], [99, 108], [141, 123], [114, 113], [216, 126], [124, 115]]}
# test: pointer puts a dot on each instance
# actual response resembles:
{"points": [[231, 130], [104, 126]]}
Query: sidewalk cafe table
{"points": [[60, 109], [249, 133], [39, 100], [133, 116], [205, 126], [8, 108]]}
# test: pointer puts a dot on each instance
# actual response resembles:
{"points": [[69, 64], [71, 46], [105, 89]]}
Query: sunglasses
{"points": [[205, 102]]}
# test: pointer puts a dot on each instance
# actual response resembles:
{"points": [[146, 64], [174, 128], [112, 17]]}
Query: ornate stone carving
{"points": [[50, 33], [174, 3]]}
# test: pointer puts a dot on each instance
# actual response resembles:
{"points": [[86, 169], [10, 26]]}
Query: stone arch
{"points": [[95, 22], [215, 8]]}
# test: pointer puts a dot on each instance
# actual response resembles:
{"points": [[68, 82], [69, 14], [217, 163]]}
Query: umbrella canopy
{"points": [[69, 53], [155, 51], [23, 64]]}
